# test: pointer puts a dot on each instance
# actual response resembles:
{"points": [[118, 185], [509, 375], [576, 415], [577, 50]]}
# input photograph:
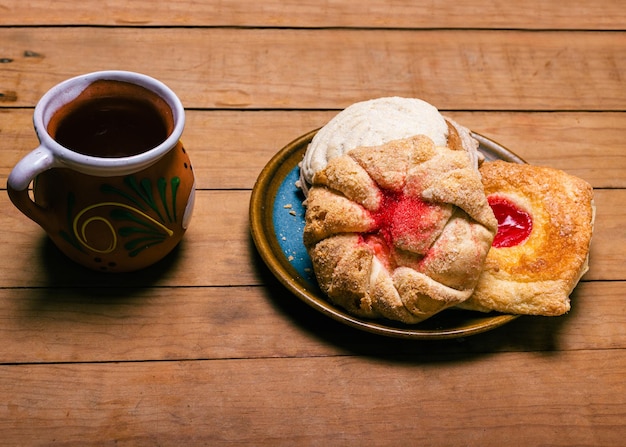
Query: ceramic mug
{"points": [[113, 186]]}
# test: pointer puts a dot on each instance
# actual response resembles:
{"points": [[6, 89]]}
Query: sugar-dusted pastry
{"points": [[541, 249], [398, 231], [378, 121]]}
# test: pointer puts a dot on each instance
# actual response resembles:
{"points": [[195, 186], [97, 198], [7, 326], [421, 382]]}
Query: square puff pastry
{"points": [[537, 275]]}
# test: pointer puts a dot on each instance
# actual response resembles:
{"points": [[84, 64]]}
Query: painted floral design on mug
{"points": [[140, 232]]}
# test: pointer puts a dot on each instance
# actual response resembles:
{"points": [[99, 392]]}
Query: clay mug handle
{"points": [[22, 175]]}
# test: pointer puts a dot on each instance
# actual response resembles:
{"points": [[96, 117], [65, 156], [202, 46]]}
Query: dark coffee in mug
{"points": [[112, 119]]}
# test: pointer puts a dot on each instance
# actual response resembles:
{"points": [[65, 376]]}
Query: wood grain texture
{"points": [[269, 69], [218, 238], [114, 324], [532, 14], [229, 148], [217, 250], [562, 399], [207, 347]]}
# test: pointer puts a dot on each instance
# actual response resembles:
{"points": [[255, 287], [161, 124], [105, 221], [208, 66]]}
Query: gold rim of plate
{"points": [[450, 323]]}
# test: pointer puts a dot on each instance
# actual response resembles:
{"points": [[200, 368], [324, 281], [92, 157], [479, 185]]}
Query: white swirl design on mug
{"points": [[80, 231]]}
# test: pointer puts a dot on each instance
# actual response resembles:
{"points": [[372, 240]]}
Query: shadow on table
{"points": [[60, 271], [72, 294], [526, 333]]}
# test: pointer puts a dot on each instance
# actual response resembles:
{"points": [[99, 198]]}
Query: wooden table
{"points": [[207, 348]]}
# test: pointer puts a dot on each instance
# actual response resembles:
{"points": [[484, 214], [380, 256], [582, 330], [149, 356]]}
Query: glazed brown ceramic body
{"points": [[120, 223]]}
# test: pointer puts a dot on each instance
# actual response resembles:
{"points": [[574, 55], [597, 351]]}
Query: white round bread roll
{"points": [[379, 121]]}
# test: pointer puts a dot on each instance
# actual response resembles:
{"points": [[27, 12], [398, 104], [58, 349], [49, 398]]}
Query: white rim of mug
{"points": [[70, 89]]}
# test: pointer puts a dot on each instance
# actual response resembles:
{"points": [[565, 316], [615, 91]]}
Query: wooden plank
{"points": [[120, 324], [331, 68], [562, 399], [588, 145], [230, 148], [533, 14], [93, 325], [608, 244], [217, 249]]}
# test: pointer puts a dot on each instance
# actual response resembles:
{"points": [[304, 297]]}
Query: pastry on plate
{"points": [[399, 230], [540, 252]]}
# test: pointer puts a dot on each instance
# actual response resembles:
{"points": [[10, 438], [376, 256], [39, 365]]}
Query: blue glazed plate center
{"points": [[288, 220]]}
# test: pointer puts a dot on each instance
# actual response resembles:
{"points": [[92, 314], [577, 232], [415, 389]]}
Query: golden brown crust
{"points": [[330, 213], [454, 139], [398, 231], [537, 276], [460, 139]]}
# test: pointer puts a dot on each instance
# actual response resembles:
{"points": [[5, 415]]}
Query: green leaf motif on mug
{"points": [[141, 230]]}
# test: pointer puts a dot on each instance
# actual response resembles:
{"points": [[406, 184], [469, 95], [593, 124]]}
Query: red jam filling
{"points": [[514, 224], [400, 216], [400, 221]]}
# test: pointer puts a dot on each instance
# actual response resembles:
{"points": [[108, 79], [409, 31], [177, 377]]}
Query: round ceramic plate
{"points": [[277, 222]]}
